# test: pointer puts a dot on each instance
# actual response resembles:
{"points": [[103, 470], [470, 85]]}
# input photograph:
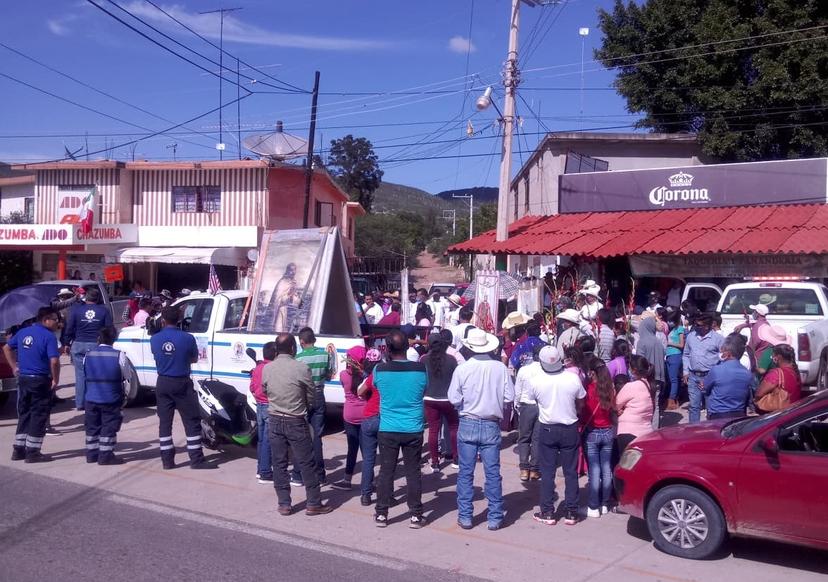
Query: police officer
{"points": [[38, 364], [103, 367], [85, 323], [174, 351]]}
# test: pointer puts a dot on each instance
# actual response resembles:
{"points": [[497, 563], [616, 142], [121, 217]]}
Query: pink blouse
{"points": [[635, 409]]}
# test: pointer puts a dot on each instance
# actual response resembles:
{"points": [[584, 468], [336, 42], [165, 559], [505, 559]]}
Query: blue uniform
{"points": [[173, 350], [86, 320], [104, 375], [102, 406], [35, 346]]}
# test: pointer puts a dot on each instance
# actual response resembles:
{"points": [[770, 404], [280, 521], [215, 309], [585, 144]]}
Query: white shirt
{"points": [[372, 314], [412, 355], [522, 391], [457, 334], [479, 388], [438, 308], [556, 395]]}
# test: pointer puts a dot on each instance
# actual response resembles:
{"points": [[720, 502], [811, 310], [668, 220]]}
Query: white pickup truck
{"points": [[214, 322], [800, 307]]}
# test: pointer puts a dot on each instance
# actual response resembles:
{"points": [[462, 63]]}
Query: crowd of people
{"points": [[579, 390]]}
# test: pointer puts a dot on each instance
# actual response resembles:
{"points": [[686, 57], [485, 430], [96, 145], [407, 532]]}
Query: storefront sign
{"points": [[782, 182], [70, 200], [113, 273], [729, 265], [66, 234]]}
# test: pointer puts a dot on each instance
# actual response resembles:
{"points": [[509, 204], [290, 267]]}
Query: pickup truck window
{"points": [[196, 314], [235, 309], [780, 301]]}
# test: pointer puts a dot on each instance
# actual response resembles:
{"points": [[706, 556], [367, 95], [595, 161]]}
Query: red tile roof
{"points": [[792, 228]]}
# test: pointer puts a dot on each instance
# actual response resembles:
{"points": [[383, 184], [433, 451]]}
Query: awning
{"points": [[234, 257], [781, 229]]}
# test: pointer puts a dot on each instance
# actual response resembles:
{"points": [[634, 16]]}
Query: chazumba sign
{"points": [[729, 265], [782, 182]]}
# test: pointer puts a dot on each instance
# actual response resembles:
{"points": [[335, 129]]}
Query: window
{"points": [[325, 214], [526, 195], [29, 209], [195, 315], [780, 301], [196, 198], [234, 313]]}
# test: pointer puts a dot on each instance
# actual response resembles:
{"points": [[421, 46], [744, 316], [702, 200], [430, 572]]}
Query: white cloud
{"points": [[236, 30], [57, 26], [460, 44]]}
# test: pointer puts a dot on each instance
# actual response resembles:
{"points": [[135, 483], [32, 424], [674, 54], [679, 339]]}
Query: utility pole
{"points": [[309, 164], [221, 12], [451, 215], [238, 108], [511, 78]]}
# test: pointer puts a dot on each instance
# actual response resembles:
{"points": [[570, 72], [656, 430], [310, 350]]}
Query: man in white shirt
{"points": [[438, 307], [458, 332], [560, 396], [527, 409], [373, 312]]}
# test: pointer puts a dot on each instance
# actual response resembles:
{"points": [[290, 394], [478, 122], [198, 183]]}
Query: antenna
{"points": [[174, 148]]}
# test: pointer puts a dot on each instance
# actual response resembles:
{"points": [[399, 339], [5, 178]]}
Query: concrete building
{"points": [[166, 222], [16, 192], [534, 190]]}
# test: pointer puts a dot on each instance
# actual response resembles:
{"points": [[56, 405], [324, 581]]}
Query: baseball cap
{"points": [[761, 309], [550, 359]]}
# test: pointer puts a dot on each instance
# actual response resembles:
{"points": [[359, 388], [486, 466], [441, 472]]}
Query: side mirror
{"points": [[769, 444], [251, 353]]}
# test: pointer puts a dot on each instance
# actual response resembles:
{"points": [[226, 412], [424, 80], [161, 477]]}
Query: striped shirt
{"points": [[318, 361]]}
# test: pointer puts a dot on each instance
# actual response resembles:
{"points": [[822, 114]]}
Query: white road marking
{"points": [[267, 534]]}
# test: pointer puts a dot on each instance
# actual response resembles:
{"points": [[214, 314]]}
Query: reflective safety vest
{"points": [[104, 378]]}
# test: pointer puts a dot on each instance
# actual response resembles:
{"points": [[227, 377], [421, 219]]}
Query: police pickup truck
{"points": [[799, 307], [215, 322]]}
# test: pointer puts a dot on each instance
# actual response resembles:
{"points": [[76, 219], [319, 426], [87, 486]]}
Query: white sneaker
{"points": [[593, 513], [455, 465], [604, 510], [434, 469]]}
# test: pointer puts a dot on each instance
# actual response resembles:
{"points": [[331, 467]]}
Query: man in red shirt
{"points": [[264, 470]]}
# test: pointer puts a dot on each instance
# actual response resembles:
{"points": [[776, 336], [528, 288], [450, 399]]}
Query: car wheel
{"points": [[822, 374], [132, 386], [685, 522]]}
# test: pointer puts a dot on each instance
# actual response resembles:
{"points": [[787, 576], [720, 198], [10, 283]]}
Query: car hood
{"points": [[684, 437]]}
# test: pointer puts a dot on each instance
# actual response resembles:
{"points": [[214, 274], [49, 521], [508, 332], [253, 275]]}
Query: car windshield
{"points": [[780, 301], [748, 425]]}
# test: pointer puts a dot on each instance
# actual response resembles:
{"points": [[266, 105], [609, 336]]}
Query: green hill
{"points": [[392, 198]]}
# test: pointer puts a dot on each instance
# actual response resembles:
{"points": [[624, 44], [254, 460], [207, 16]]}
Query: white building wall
{"points": [[13, 198]]}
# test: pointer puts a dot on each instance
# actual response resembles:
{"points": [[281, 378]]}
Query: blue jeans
{"points": [[316, 419], [352, 437], [479, 436], [696, 394], [263, 455], [599, 456], [368, 444], [78, 352], [674, 374]]}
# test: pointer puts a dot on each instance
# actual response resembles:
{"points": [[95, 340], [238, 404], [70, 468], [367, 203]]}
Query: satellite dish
{"points": [[277, 145]]}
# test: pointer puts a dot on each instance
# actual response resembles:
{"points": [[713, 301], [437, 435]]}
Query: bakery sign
{"points": [[717, 185], [66, 234]]}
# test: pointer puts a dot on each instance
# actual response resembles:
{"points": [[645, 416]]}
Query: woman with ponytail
{"points": [[634, 403], [598, 421]]}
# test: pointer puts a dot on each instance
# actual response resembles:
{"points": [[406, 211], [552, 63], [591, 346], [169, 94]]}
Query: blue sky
{"points": [[358, 46]]}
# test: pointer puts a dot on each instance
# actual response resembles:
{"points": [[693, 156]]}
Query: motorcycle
{"points": [[226, 414]]}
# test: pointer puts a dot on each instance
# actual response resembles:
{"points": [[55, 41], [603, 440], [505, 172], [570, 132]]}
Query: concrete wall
{"points": [[13, 198], [535, 187]]}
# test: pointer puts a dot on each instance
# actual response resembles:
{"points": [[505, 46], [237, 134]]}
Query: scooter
{"points": [[226, 414]]}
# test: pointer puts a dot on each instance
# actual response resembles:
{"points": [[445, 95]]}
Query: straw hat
{"points": [[481, 342], [65, 292], [570, 315], [773, 334], [515, 319]]}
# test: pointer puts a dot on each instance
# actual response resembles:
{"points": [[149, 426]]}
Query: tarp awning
{"points": [[774, 229], [234, 257]]}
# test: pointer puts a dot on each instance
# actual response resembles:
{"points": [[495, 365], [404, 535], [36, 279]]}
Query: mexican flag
{"points": [[87, 211]]}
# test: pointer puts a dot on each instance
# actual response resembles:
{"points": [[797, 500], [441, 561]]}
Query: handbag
{"points": [[776, 399]]}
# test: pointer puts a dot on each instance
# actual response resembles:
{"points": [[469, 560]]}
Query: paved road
{"points": [[149, 518], [54, 530]]}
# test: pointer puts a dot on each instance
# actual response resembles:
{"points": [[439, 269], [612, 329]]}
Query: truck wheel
{"points": [[132, 386], [685, 522], [822, 374]]}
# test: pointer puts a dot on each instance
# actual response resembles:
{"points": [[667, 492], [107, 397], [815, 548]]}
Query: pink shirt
{"points": [[140, 318], [635, 409], [256, 383], [354, 409]]}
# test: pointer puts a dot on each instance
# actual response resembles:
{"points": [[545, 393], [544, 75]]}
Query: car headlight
{"points": [[630, 458]]}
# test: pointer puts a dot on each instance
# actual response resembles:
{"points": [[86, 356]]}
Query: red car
{"points": [[763, 476]]}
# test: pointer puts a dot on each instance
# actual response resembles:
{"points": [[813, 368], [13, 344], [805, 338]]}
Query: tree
{"points": [[355, 167], [748, 99]]}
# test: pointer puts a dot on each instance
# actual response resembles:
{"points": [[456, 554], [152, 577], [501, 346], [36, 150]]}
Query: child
{"points": [[104, 399], [264, 471]]}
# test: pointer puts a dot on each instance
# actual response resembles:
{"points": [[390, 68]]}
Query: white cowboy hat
{"points": [[570, 315], [65, 292], [515, 319], [481, 342], [593, 290]]}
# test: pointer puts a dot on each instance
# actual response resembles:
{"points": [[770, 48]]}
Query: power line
{"points": [[174, 19]]}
